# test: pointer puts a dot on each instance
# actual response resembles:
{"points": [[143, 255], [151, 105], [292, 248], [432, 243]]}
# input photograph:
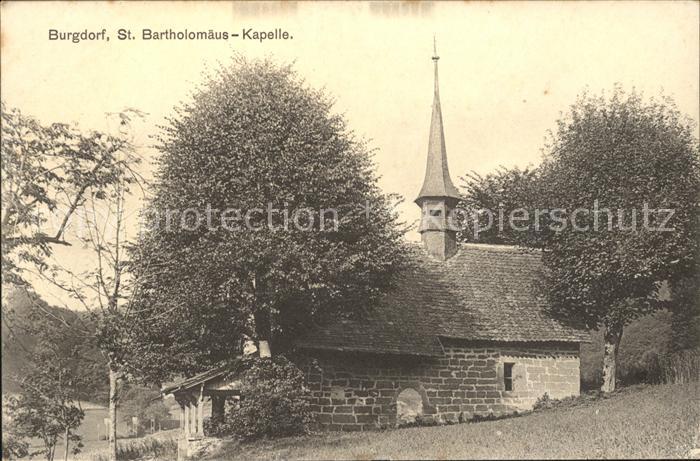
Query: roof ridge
{"points": [[495, 246]]}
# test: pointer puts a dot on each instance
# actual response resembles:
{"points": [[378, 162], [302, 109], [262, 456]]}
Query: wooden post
{"points": [[182, 416], [186, 426], [200, 414], [193, 417], [190, 418], [200, 417]]}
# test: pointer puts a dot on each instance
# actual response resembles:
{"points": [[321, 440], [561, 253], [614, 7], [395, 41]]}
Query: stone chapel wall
{"points": [[358, 391]]}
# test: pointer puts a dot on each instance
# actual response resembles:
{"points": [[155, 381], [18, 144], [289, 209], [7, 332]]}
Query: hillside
{"points": [[21, 310], [17, 342], [639, 422]]}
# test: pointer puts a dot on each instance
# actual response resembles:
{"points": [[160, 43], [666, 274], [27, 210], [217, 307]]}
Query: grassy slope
{"points": [[648, 422]]}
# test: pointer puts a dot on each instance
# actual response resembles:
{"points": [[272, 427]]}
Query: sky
{"points": [[507, 69]]}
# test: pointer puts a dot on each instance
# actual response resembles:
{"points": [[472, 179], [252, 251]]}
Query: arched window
{"points": [[409, 406]]}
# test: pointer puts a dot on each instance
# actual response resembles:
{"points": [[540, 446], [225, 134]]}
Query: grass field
{"points": [[640, 422]]}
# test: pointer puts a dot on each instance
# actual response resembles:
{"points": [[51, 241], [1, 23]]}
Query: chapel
{"points": [[464, 333]]}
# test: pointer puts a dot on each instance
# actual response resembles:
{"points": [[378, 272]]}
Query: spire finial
{"points": [[435, 61]]}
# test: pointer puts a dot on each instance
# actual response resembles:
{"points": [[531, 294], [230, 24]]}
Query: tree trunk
{"points": [[112, 415], [51, 447], [50, 452], [612, 335], [65, 449], [261, 318]]}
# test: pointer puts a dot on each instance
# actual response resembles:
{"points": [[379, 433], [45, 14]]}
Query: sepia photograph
{"points": [[359, 230]]}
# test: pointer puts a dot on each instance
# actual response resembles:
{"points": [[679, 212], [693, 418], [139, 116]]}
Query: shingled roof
{"points": [[484, 293], [197, 380]]}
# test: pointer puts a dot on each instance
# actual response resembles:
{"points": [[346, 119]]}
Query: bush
{"points": [[273, 404], [647, 369], [147, 448], [670, 368], [13, 447], [680, 367], [545, 402]]}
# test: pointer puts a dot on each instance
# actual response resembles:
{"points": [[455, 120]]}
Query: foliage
{"points": [[625, 153], [255, 136], [669, 367], [680, 367], [46, 406], [47, 171], [545, 402], [13, 444], [501, 193], [273, 402], [622, 152], [145, 449], [685, 307]]}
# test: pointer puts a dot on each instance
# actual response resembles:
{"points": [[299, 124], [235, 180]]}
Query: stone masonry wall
{"points": [[355, 391]]}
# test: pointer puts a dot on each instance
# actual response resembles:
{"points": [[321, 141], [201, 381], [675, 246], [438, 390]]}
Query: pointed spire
{"points": [[437, 182]]}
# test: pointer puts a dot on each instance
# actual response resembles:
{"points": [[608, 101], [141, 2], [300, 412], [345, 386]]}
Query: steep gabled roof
{"points": [[482, 293]]}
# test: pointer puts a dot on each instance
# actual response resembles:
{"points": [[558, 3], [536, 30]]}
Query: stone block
{"points": [[362, 409], [343, 419], [367, 419]]}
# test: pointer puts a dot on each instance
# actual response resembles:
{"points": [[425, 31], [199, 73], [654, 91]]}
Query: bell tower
{"points": [[438, 197]]}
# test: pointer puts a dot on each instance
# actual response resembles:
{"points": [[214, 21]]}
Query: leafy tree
{"points": [[617, 157], [490, 201], [46, 406], [652, 143], [96, 172], [47, 172], [104, 289], [256, 141]]}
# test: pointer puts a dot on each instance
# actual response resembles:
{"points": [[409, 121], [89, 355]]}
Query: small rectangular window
{"points": [[508, 376], [435, 212]]}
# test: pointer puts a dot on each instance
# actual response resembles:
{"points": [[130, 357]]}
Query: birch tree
{"points": [[85, 180], [105, 289]]}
